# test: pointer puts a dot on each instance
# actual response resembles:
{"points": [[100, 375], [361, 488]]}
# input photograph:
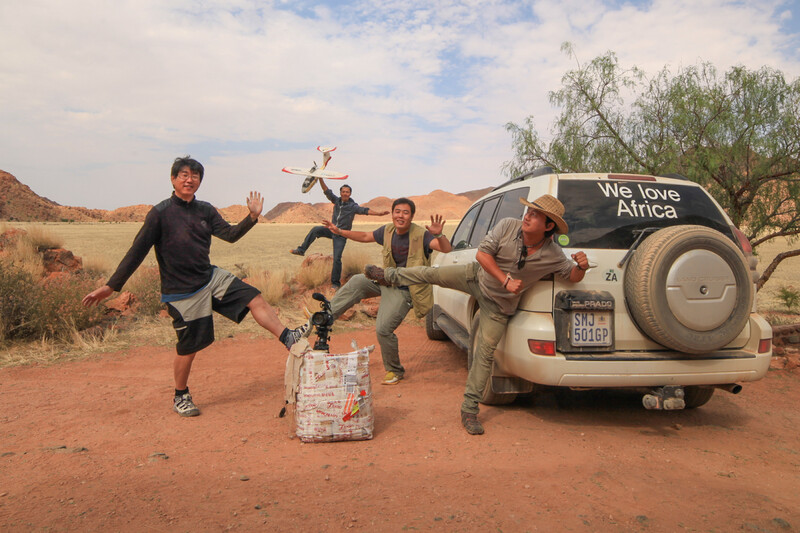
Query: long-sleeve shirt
{"points": [[344, 212], [181, 233]]}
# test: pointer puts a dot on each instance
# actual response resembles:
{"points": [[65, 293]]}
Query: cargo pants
{"points": [[395, 305], [491, 326]]}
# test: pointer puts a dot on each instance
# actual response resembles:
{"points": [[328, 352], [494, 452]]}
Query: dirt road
{"points": [[94, 445]]}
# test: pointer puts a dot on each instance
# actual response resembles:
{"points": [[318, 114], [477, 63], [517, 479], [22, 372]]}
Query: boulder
{"points": [[61, 260]]}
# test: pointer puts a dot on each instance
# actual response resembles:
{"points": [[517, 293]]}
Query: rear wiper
{"points": [[640, 236]]}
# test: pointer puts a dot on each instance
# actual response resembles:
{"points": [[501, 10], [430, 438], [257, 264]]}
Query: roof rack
{"points": [[541, 171]]}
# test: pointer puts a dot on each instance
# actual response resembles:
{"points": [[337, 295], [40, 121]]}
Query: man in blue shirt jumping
{"points": [[344, 211]]}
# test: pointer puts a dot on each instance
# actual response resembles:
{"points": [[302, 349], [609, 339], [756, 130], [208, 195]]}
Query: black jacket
{"points": [[181, 233]]}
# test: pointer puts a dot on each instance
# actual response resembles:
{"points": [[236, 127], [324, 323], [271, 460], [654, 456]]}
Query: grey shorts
{"points": [[192, 316]]}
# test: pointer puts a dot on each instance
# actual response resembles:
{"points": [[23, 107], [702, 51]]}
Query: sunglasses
{"points": [[522, 256]]}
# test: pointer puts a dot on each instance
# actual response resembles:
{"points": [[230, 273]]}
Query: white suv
{"points": [[667, 307]]}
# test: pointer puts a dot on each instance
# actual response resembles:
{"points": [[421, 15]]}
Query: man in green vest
{"points": [[404, 244]]}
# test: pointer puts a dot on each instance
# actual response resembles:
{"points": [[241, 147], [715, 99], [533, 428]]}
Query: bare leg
{"points": [[181, 368], [265, 315]]}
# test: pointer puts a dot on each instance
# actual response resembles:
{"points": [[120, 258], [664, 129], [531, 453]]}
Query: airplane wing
{"points": [[297, 170], [327, 174]]}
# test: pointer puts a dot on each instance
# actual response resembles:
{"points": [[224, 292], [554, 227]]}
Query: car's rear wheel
{"points": [[689, 289], [697, 396], [489, 396], [434, 332]]}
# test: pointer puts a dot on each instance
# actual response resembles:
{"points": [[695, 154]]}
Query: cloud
{"points": [[97, 98]]}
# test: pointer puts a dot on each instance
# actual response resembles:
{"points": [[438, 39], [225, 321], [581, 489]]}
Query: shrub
{"points": [[145, 285], [19, 299], [61, 312], [315, 274], [790, 297], [48, 310]]}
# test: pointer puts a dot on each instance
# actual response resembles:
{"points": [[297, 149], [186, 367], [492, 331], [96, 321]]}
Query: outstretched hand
{"points": [[97, 296], [255, 203], [331, 226], [437, 224]]}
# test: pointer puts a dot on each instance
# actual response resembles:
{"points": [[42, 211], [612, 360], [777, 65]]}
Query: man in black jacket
{"points": [[180, 229]]}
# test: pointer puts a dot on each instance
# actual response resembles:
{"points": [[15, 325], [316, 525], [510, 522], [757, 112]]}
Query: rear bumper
{"points": [[626, 369]]}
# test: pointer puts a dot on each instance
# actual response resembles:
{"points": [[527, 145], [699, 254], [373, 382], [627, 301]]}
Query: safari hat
{"points": [[550, 206]]}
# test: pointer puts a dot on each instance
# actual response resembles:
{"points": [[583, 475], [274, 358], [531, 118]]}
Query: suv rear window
{"points": [[605, 213]]}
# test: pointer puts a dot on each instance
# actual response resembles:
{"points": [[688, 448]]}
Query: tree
{"points": [[737, 134]]}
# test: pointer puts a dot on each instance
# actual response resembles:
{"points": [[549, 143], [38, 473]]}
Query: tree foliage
{"points": [[737, 134]]}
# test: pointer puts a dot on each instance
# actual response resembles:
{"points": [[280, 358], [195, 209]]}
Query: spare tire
{"points": [[689, 289]]}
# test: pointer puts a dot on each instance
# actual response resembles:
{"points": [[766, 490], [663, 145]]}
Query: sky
{"points": [[97, 98]]}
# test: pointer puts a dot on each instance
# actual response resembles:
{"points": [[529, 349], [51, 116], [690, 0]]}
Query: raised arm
{"points": [[440, 241], [360, 236]]}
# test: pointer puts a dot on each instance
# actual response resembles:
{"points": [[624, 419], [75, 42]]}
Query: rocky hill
{"points": [[19, 202]]}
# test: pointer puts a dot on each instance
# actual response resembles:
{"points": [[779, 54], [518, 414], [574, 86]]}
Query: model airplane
{"points": [[313, 174]]}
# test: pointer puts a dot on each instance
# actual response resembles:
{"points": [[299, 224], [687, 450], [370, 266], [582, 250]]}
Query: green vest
{"points": [[421, 295]]}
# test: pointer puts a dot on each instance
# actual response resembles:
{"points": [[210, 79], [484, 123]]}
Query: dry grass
{"points": [[43, 238], [98, 266], [24, 255], [273, 285], [313, 275], [353, 263]]}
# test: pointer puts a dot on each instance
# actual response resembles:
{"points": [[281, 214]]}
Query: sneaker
{"points": [[294, 335], [471, 423], [391, 379], [375, 273], [184, 406], [297, 251]]}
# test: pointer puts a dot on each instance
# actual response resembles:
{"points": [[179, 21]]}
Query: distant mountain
{"points": [[19, 202]]}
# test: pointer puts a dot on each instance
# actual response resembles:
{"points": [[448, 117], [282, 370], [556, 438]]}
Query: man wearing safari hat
{"points": [[511, 258]]}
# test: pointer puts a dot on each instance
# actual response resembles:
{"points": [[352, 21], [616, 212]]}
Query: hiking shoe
{"points": [[294, 335], [297, 251], [184, 406], [391, 379], [471, 423], [375, 273]]}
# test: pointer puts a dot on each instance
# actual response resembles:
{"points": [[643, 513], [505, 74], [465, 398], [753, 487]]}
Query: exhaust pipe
{"points": [[733, 388]]}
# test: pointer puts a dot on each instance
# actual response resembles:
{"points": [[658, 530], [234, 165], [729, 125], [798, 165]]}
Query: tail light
{"points": [[542, 347], [744, 244], [764, 345]]}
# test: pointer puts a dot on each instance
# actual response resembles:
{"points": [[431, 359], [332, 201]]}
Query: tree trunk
{"points": [[773, 265]]}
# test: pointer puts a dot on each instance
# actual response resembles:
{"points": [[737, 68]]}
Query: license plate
{"points": [[590, 328]]}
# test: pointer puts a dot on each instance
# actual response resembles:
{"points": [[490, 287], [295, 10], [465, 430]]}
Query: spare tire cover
{"points": [[689, 289]]}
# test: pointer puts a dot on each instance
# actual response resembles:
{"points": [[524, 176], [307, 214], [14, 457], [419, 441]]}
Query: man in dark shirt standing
{"points": [[344, 211], [180, 228], [404, 244]]}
